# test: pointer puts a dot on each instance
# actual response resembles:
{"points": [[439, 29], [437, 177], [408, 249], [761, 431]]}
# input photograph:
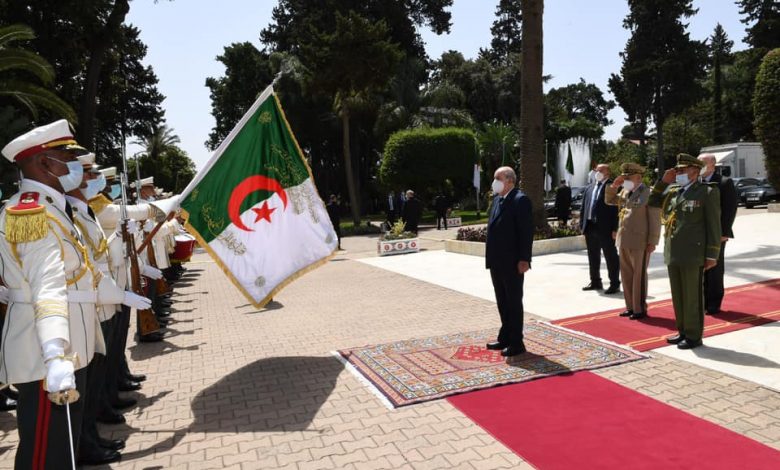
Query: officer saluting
{"points": [[51, 331], [637, 235], [691, 214]]}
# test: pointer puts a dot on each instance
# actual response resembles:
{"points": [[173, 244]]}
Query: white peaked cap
{"points": [[54, 135]]}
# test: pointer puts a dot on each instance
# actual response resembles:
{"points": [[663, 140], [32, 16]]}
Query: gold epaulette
{"points": [[26, 221], [98, 203]]}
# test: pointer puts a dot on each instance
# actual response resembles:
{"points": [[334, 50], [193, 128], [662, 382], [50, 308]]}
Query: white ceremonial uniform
{"points": [[52, 290]]}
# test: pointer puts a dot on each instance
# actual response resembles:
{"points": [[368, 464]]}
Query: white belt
{"points": [[20, 296]]}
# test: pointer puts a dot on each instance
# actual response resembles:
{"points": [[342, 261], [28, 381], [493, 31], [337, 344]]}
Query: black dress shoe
{"points": [[135, 377], [638, 315], [497, 346], [10, 392], [510, 351], [593, 286], [675, 339], [626, 313], [98, 456], [128, 386], [110, 417], [124, 403], [712, 312], [155, 337], [688, 344], [612, 290], [7, 404], [111, 444]]}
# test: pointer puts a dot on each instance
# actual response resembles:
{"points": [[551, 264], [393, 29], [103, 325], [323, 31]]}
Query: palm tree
{"points": [[532, 111], [157, 141], [16, 64]]}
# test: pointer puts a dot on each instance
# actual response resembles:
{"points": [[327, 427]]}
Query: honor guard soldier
{"points": [[94, 450], [690, 213], [637, 236], [51, 331]]}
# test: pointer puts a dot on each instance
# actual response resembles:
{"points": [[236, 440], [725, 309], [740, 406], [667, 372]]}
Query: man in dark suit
{"points": [[411, 212], [334, 213], [563, 203], [440, 204], [713, 278], [510, 235], [599, 223]]}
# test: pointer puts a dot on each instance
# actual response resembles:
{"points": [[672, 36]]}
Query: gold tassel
{"points": [[26, 225]]}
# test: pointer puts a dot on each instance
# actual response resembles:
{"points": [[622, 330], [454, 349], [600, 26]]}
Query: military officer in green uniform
{"points": [[690, 212]]}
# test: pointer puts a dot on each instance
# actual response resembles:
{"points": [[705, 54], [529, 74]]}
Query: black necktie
{"points": [[69, 211], [91, 213]]}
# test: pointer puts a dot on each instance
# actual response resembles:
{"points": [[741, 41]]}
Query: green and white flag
{"points": [[254, 206]]}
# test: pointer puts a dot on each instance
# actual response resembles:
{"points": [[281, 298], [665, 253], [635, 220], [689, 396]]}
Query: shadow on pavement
{"points": [[273, 394], [735, 357]]}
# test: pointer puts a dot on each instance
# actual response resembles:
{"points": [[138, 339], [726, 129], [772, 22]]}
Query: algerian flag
{"points": [[475, 177], [569, 161], [254, 206]]}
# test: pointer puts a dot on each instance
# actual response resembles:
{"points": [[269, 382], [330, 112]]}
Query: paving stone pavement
{"points": [[234, 387]]}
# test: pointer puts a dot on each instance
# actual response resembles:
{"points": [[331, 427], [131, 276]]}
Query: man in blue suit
{"points": [[599, 223], [510, 236]]}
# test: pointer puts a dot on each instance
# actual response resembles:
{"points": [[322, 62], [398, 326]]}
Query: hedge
{"points": [[766, 109]]}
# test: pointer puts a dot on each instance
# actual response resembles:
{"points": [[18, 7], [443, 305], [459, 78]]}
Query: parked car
{"points": [[742, 185], [762, 194]]}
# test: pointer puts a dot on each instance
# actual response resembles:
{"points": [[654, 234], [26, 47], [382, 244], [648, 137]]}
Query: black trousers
{"points": [[509, 299], [115, 351], [441, 215], [598, 242], [713, 284], [43, 426]]}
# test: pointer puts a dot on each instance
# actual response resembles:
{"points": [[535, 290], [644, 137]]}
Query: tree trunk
{"points": [[532, 111], [98, 48], [354, 202], [659, 122]]}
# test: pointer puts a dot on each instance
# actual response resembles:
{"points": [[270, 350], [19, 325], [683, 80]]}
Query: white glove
{"points": [[3, 295], [149, 225], [132, 227], [60, 373], [136, 301], [151, 272]]}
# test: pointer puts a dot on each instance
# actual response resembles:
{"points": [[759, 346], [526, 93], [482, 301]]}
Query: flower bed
{"points": [[471, 241]]}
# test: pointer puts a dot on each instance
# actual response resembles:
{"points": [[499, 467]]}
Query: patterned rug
{"points": [[418, 370]]}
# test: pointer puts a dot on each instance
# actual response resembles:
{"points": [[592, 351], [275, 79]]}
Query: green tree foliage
{"points": [[766, 103], [158, 140], [577, 110], [661, 67], [497, 142], [763, 16], [72, 39], [18, 68], [720, 55], [247, 73], [506, 31], [172, 169], [428, 160], [690, 130]]}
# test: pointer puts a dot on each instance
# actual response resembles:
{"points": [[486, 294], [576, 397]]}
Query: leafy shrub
{"points": [[351, 230], [766, 103], [479, 234], [398, 231], [471, 234]]}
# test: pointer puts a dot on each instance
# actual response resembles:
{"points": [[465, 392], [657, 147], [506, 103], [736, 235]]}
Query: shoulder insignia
{"points": [[26, 221], [99, 202]]}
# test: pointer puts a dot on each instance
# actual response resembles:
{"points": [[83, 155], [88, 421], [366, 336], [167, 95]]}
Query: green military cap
{"points": [[629, 169], [684, 160]]}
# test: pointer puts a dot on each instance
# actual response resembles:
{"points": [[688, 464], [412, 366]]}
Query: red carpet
{"points": [[572, 422], [743, 307]]}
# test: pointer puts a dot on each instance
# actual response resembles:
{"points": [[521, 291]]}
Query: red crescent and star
{"points": [[247, 187]]}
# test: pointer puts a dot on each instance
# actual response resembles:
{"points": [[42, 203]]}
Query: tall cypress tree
{"points": [[662, 65], [720, 55]]}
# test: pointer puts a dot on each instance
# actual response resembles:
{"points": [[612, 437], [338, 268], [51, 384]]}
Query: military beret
{"points": [[684, 161], [629, 169]]}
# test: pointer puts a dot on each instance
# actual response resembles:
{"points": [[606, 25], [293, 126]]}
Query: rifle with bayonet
{"points": [[147, 321]]}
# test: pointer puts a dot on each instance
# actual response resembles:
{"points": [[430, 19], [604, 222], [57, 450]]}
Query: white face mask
{"points": [[497, 187], [599, 176], [628, 185], [94, 187], [116, 191], [682, 179], [72, 179]]}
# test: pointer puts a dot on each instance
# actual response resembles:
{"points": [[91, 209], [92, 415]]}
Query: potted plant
{"points": [[397, 241], [453, 220]]}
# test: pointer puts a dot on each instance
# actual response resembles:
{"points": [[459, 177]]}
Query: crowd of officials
{"points": [[69, 278], [621, 220]]}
